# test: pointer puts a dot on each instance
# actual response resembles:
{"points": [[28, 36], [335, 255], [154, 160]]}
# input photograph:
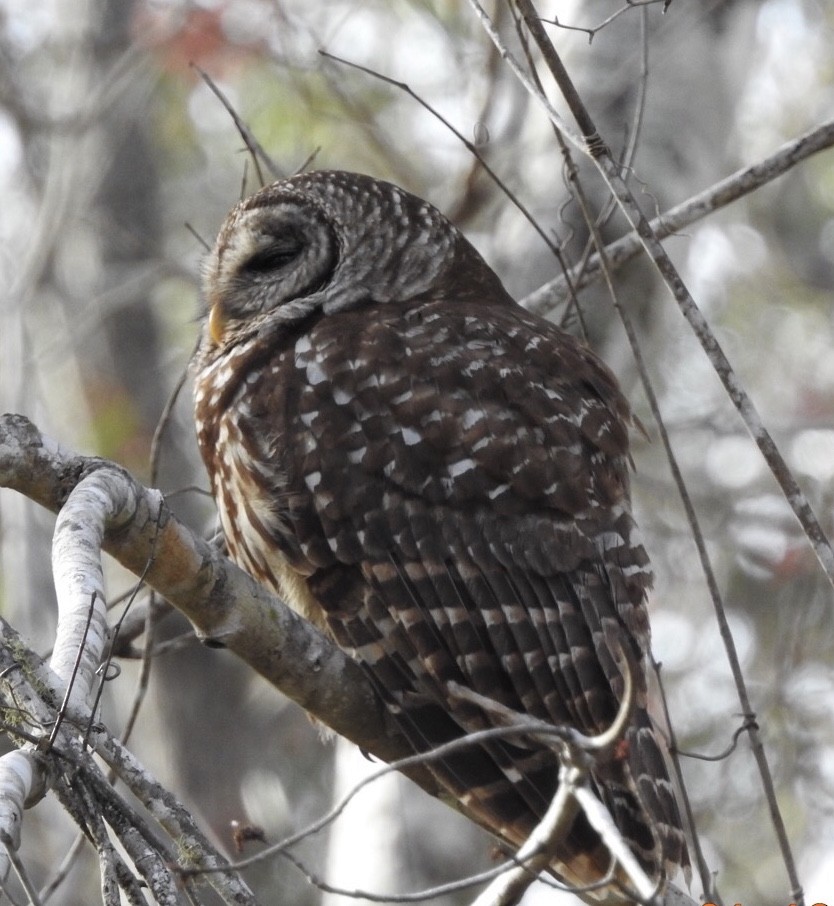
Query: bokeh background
{"points": [[117, 163]]}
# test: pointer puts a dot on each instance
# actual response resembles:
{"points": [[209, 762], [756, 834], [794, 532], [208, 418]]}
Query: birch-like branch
{"points": [[226, 606], [29, 696], [21, 781], [81, 635]]}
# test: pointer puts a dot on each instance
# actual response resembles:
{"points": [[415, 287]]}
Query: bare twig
{"points": [[254, 147], [524, 77], [63, 870], [156, 609], [470, 147], [198, 237], [23, 877], [87, 672], [420, 896], [592, 32], [731, 747], [707, 878]]}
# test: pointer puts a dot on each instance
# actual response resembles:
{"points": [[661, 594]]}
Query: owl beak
{"points": [[216, 324]]}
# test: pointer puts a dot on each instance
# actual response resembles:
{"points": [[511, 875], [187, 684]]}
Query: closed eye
{"points": [[280, 252]]}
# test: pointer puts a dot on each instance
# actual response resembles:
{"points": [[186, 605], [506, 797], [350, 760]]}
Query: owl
{"points": [[439, 480]]}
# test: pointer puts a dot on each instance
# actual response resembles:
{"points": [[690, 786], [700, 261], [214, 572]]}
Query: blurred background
{"points": [[117, 165]]}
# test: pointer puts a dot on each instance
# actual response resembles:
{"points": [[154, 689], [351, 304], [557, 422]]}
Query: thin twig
{"points": [[420, 896], [71, 680], [523, 76], [23, 877], [254, 147], [433, 893], [574, 307], [63, 870], [708, 884], [630, 152], [308, 160], [733, 745], [156, 609], [164, 421], [13, 901], [198, 237], [470, 147], [142, 684], [592, 32]]}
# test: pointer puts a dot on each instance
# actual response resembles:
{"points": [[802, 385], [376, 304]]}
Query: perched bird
{"points": [[439, 480]]}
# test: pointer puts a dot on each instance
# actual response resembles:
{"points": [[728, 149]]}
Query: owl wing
{"points": [[456, 495]]}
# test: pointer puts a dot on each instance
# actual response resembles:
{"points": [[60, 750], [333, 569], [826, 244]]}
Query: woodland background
{"points": [[110, 143]]}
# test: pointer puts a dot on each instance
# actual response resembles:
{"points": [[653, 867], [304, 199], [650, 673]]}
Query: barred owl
{"points": [[439, 480]]}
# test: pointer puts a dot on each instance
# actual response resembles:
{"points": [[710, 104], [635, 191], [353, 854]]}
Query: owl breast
{"points": [[249, 484]]}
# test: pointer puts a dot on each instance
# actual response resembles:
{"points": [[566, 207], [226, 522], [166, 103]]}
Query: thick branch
{"points": [[225, 605]]}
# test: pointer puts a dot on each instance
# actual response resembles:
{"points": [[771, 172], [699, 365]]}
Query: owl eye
{"points": [[280, 252]]}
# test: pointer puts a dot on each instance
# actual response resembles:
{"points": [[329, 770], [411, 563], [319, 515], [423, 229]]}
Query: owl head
{"points": [[327, 241]]}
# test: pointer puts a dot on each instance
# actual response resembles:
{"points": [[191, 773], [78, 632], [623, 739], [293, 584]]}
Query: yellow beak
{"points": [[216, 324]]}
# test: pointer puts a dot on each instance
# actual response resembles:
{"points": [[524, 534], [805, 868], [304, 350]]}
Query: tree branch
{"points": [[226, 606], [735, 186], [28, 701]]}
